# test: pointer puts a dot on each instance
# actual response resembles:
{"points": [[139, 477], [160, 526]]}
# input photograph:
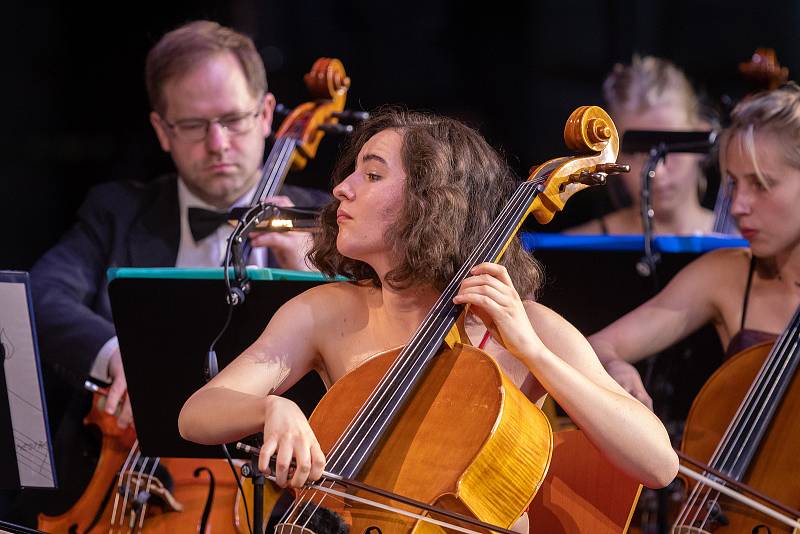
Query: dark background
{"points": [[75, 109]]}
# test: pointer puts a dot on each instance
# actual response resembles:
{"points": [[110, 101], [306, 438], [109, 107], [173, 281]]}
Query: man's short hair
{"points": [[180, 50]]}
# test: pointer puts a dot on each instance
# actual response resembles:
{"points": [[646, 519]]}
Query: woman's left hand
{"points": [[493, 298]]}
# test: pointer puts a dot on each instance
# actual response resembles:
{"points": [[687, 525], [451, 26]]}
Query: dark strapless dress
{"points": [[746, 338]]}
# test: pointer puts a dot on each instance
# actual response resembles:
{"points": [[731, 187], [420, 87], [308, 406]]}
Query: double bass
{"points": [[132, 493], [437, 421]]}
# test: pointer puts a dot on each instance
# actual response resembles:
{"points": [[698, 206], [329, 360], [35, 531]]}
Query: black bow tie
{"points": [[203, 222]]}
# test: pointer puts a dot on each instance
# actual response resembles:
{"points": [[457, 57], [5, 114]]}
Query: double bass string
{"points": [[764, 394], [497, 235]]}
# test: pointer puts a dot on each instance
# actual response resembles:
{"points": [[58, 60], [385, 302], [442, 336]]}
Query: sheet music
{"points": [[22, 380]]}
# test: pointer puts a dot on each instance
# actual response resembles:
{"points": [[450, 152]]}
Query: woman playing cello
{"points": [[410, 200], [748, 294]]}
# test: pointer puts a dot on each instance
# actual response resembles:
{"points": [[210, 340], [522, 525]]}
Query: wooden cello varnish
{"points": [[471, 458], [775, 469], [437, 420]]}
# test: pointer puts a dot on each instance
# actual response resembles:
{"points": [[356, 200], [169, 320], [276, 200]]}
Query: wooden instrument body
{"points": [[774, 470], [469, 441], [94, 511], [583, 491]]}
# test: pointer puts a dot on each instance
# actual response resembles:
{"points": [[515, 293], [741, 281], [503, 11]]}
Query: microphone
{"points": [[646, 140], [271, 218]]}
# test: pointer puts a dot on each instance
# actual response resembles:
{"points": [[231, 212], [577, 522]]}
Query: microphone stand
{"points": [[236, 257], [646, 267], [647, 264]]}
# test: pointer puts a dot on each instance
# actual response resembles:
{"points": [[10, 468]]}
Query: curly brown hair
{"points": [[456, 185]]}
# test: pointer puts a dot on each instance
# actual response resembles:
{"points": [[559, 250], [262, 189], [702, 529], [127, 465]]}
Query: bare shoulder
{"points": [[333, 293], [329, 303], [316, 307], [719, 266]]}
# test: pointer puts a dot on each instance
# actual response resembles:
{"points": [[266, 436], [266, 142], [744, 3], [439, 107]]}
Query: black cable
{"points": [[212, 368], [239, 484]]}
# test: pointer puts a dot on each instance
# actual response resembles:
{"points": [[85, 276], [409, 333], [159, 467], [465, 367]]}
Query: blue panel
{"points": [[664, 243]]}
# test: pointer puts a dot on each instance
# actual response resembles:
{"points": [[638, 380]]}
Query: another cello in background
{"points": [[743, 430]]}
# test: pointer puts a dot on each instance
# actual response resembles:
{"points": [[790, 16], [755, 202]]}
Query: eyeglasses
{"points": [[194, 130]]}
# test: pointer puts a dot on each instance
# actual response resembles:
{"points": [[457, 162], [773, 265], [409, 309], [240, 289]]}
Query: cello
{"points": [[391, 424], [743, 427], [128, 492]]}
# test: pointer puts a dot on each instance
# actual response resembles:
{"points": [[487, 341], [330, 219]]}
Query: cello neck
{"points": [[275, 169], [399, 382], [591, 132]]}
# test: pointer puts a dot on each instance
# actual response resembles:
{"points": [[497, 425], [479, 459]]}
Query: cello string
{"points": [[131, 453], [509, 207], [444, 302], [490, 245], [280, 170], [280, 152], [134, 502], [773, 390], [127, 490], [766, 375], [285, 155], [367, 412], [147, 490], [704, 496], [415, 368], [764, 393], [698, 502]]}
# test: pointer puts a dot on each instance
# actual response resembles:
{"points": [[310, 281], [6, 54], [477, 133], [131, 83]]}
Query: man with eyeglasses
{"points": [[211, 112]]}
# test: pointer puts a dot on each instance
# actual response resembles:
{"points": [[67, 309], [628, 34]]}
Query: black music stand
{"points": [[165, 326], [26, 451]]}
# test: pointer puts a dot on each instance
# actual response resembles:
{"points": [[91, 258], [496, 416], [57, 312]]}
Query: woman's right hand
{"points": [[628, 377], [288, 435]]}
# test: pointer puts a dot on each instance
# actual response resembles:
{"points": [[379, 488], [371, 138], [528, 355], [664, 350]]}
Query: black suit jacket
{"points": [[120, 224]]}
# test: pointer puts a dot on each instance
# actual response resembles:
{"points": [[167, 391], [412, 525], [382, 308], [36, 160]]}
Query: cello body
{"points": [[198, 488], [470, 442], [775, 468], [437, 421]]}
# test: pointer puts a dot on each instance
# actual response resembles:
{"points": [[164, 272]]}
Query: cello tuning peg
{"points": [[598, 178], [613, 168], [589, 178], [337, 128], [352, 116]]}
